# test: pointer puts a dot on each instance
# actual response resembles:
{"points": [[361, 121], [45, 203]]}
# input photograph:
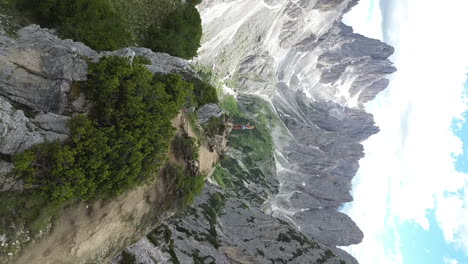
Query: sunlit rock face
{"points": [[316, 74], [258, 45]]}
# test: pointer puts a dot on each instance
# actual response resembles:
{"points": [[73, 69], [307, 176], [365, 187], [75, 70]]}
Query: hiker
{"points": [[243, 127]]}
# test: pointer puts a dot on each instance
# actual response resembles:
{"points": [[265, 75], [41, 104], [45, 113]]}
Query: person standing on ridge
{"points": [[243, 127]]}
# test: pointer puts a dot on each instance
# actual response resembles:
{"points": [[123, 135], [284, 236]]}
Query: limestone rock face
{"points": [[38, 68], [36, 71], [255, 46], [19, 132], [239, 233], [329, 227], [206, 112], [159, 62], [218, 141]]}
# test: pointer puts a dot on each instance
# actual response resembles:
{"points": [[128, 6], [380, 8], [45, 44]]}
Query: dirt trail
{"points": [[101, 229], [84, 231]]}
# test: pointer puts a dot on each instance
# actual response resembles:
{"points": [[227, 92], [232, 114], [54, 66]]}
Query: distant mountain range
{"points": [[302, 77]]}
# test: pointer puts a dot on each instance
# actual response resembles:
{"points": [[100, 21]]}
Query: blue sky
{"points": [[419, 246], [410, 190], [461, 163]]}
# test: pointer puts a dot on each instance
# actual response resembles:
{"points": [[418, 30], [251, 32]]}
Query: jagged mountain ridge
{"points": [[316, 74], [257, 46]]}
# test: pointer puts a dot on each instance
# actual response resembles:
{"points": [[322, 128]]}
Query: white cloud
{"points": [[409, 165], [450, 261], [452, 213]]}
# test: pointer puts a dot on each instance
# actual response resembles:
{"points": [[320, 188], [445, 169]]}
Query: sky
{"points": [[409, 194]]}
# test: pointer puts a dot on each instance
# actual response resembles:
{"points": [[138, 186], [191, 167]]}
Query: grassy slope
{"points": [[10, 19], [140, 14], [251, 157]]}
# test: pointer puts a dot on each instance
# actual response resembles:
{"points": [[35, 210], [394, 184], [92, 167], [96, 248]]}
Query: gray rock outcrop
{"points": [[208, 111], [222, 229], [217, 140], [37, 98], [38, 68]]}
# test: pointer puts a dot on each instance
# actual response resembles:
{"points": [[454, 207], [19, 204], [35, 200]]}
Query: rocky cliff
{"points": [[37, 70], [39, 92], [315, 75]]}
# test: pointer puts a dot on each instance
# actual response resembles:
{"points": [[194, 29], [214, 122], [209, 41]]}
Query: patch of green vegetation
{"points": [[303, 240], [94, 22], [193, 120], [215, 126], [253, 160], [127, 258], [139, 15], [165, 25], [305, 244], [172, 252], [283, 238], [229, 104], [24, 216], [325, 257], [28, 111], [222, 177], [205, 74], [29, 209], [185, 147], [10, 19], [164, 234], [197, 259], [183, 230], [121, 144], [278, 260], [141, 60], [210, 210], [184, 185], [204, 92], [152, 239], [179, 34], [299, 252]]}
